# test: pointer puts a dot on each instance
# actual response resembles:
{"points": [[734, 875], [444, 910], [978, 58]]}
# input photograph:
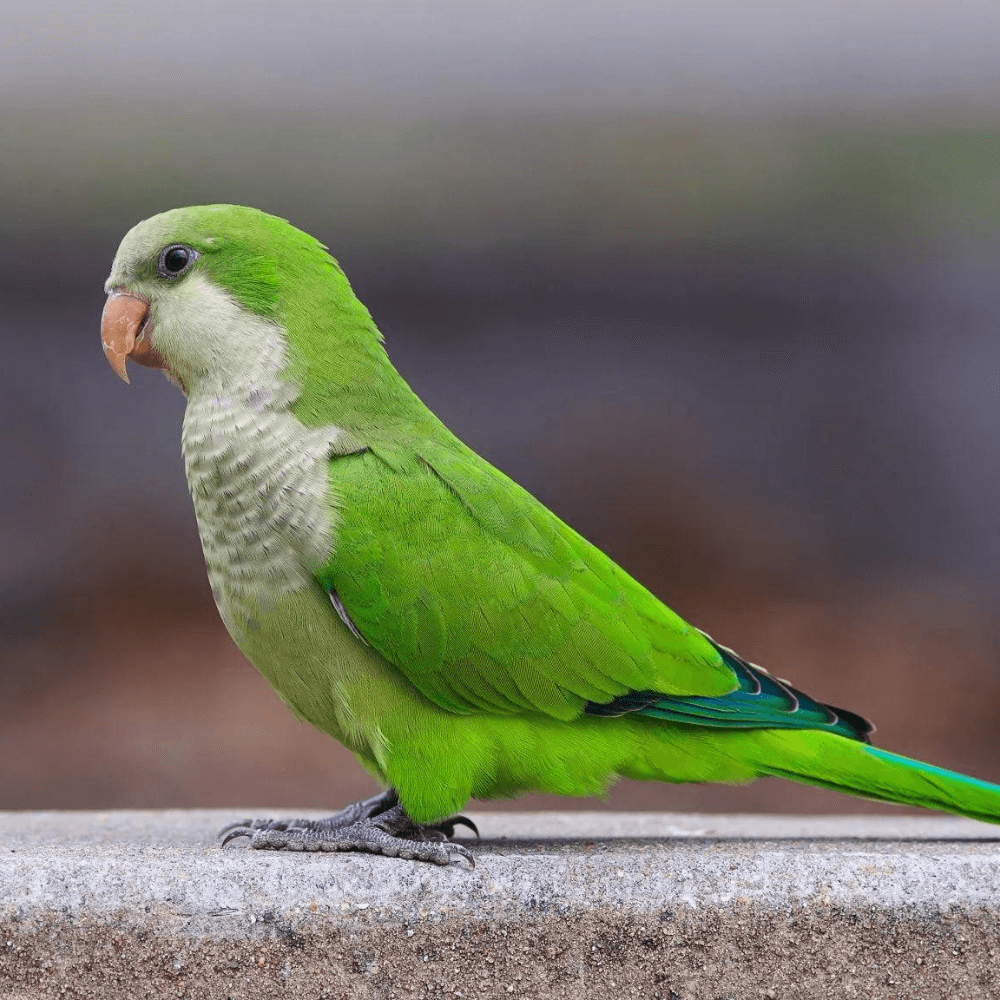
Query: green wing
{"points": [[486, 601]]}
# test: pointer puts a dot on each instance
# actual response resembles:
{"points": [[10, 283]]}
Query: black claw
{"points": [[465, 821], [465, 854], [234, 832], [447, 826]]}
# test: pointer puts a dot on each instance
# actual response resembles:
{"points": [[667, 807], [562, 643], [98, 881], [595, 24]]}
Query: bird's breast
{"points": [[259, 480]]}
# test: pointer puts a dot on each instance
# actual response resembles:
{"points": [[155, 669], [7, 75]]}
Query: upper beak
{"points": [[125, 333]]}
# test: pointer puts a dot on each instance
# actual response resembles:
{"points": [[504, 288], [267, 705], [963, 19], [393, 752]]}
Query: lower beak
{"points": [[125, 333]]}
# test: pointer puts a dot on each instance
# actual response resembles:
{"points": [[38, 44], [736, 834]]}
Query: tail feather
{"points": [[759, 702], [845, 765]]}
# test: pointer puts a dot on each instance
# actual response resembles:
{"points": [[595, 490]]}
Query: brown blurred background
{"points": [[717, 281]]}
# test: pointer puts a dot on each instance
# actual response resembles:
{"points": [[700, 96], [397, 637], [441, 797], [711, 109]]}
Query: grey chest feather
{"points": [[259, 481]]}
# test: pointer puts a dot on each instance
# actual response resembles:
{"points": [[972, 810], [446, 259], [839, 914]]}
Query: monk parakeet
{"points": [[406, 597]]}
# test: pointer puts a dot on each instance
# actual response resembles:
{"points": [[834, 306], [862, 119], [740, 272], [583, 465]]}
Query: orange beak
{"points": [[125, 333]]}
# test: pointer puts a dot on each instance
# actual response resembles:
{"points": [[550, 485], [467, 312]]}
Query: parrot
{"points": [[407, 598]]}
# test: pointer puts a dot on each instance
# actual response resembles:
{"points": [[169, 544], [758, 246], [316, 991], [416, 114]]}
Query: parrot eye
{"points": [[175, 260]]}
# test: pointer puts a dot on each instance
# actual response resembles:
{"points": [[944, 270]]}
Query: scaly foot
{"points": [[378, 825]]}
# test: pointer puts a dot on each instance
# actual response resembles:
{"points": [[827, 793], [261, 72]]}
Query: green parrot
{"points": [[406, 597]]}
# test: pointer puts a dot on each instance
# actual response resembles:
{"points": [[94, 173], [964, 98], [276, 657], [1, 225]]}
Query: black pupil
{"points": [[175, 260]]}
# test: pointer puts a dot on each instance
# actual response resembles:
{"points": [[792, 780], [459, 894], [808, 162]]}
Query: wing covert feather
{"points": [[487, 602]]}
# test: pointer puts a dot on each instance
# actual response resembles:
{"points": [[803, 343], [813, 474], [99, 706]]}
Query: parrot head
{"points": [[203, 292]]}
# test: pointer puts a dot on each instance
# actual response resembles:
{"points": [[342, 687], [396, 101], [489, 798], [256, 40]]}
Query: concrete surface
{"points": [[143, 904]]}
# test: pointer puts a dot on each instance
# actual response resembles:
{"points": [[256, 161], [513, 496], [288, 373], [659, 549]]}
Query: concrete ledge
{"points": [[142, 904]]}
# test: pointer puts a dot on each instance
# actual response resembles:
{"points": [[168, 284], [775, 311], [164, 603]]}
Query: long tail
{"points": [[846, 765]]}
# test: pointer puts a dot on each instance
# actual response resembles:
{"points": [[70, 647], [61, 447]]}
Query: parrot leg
{"points": [[378, 825]]}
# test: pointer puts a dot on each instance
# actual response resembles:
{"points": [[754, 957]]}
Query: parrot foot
{"points": [[378, 825]]}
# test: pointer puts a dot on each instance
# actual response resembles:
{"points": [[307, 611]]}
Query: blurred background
{"points": [[717, 281]]}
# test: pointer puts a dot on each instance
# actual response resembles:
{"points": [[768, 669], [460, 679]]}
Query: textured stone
{"points": [[559, 905]]}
